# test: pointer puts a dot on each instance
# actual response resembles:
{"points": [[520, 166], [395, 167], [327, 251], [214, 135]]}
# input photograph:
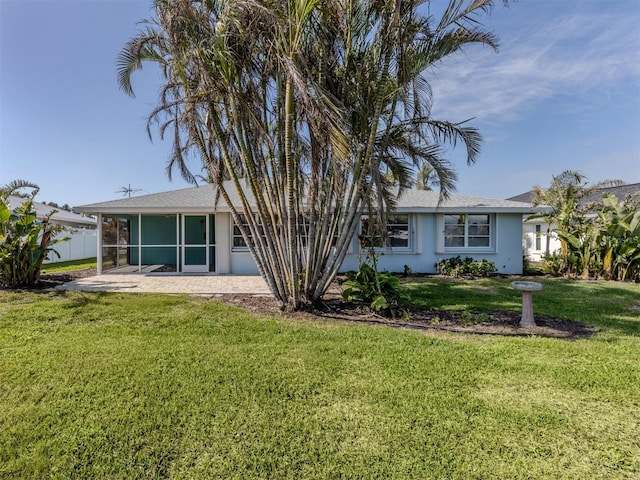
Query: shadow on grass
{"points": [[610, 306], [79, 299]]}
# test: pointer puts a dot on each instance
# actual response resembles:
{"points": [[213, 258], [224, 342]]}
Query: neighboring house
{"points": [[183, 231], [534, 237], [80, 229]]}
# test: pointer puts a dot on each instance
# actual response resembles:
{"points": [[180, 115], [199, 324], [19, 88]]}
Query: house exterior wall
{"points": [[223, 242], [426, 248], [529, 243], [159, 238], [509, 255]]}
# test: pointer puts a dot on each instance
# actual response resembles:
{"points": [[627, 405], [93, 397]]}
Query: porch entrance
{"points": [[198, 254]]}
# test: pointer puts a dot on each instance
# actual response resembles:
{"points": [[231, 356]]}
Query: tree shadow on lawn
{"points": [[596, 303], [603, 303]]}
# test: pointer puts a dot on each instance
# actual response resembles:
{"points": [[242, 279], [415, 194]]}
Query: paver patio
{"points": [[156, 283]]}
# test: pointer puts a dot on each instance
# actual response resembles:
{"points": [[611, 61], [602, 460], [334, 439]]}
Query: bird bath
{"points": [[527, 289]]}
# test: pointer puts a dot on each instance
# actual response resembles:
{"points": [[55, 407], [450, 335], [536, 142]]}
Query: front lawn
{"points": [[69, 266], [152, 386]]}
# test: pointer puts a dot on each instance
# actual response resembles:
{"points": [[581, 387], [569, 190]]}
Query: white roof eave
{"points": [[225, 209], [149, 210], [453, 209]]}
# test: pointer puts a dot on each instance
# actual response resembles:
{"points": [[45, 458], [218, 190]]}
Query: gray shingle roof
{"points": [[428, 201], [621, 192], [61, 217], [201, 200]]}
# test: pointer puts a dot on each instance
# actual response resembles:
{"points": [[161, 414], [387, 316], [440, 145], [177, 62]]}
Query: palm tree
{"points": [[302, 105], [15, 188], [426, 178]]}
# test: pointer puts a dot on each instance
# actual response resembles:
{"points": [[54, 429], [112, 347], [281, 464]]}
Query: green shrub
{"points": [[379, 291], [456, 267], [553, 265]]}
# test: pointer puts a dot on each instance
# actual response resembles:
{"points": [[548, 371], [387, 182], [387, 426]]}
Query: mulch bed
{"points": [[488, 323], [52, 280], [336, 309]]}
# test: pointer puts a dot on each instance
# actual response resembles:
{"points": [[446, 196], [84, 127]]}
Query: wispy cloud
{"points": [[585, 53]]}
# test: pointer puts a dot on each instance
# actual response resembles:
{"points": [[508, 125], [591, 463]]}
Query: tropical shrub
{"points": [[618, 240], [379, 291], [606, 246], [597, 239], [25, 242], [456, 267], [553, 265]]}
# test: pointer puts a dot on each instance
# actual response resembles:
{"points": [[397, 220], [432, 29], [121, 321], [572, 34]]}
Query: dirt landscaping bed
{"points": [[490, 323], [52, 280]]}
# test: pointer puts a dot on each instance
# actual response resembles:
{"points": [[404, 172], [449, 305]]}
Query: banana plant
{"points": [[620, 237], [25, 241]]}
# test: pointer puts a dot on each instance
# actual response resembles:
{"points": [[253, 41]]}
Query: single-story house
{"points": [[537, 233], [183, 231], [80, 230], [64, 218]]}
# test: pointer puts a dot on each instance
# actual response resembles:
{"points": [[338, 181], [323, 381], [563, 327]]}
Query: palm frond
{"points": [[14, 187]]}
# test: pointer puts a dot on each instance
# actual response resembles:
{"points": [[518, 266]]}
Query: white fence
{"points": [[83, 244]]}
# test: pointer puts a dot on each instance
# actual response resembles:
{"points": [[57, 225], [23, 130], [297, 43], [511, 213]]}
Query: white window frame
{"points": [[493, 229], [411, 222], [240, 248]]}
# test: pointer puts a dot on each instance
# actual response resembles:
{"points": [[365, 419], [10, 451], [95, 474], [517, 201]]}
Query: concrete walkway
{"points": [[157, 283]]}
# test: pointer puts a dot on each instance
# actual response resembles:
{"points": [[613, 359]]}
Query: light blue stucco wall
{"points": [[508, 259], [425, 250], [242, 264]]}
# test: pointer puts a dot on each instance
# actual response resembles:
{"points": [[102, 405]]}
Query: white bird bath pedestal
{"points": [[527, 289]]}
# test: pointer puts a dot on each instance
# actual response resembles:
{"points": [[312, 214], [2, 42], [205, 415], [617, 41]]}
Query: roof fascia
{"points": [[523, 210], [149, 210]]}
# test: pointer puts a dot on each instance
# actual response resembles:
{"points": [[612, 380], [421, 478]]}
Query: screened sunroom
{"points": [[157, 243]]}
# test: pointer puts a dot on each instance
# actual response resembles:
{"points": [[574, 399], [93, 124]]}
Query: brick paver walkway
{"points": [[193, 284]]}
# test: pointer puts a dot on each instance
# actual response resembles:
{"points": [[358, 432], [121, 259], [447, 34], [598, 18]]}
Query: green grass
{"points": [[613, 306], [69, 266], [149, 386]]}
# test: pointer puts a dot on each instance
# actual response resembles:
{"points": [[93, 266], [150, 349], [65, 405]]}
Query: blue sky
{"points": [[562, 93]]}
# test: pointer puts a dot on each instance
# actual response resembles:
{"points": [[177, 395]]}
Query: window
{"points": [[538, 238], [237, 242], [396, 234], [467, 231]]}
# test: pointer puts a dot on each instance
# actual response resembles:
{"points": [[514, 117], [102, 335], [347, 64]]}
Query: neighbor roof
{"points": [[201, 199], [621, 192], [61, 217]]}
